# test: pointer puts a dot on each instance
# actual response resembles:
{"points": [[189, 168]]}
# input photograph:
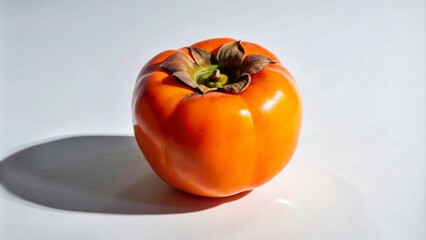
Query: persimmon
{"points": [[217, 118]]}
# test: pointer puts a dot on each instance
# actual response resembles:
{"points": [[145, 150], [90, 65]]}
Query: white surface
{"points": [[358, 173]]}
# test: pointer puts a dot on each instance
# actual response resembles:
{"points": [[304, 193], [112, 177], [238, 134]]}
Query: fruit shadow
{"points": [[103, 174]]}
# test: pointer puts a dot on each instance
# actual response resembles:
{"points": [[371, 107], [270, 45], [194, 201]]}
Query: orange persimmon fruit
{"points": [[217, 118]]}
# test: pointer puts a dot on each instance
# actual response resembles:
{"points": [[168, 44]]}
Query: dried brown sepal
{"points": [[181, 66], [201, 56], [204, 89], [240, 85], [254, 63], [231, 54], [178, 62], [186, 78]]}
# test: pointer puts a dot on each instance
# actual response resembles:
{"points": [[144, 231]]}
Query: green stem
{"points": [[211, 76]]}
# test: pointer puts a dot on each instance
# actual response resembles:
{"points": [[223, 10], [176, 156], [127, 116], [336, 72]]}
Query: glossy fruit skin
{"points": [[217, 144]]}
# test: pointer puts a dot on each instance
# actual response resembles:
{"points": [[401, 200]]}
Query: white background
{"points": [[69, 67]]}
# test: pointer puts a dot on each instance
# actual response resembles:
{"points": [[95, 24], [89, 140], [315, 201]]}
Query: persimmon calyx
{"points": [[228, 71]]}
